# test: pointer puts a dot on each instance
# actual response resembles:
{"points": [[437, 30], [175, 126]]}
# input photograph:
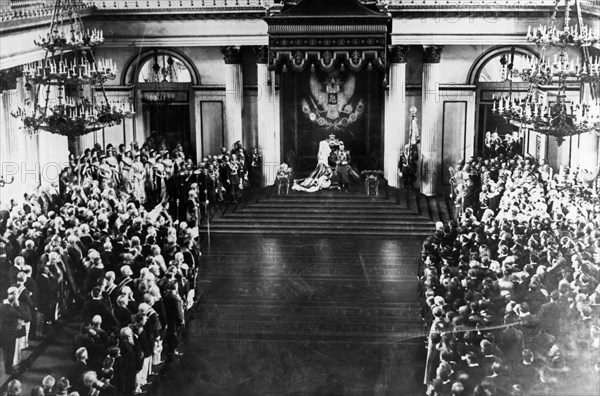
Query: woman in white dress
{"points": [[320, 178]]}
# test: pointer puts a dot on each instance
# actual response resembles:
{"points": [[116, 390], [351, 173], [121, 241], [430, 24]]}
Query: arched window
{"points": [[488, 68], [489, 73], [163, 67], [155, 65]]}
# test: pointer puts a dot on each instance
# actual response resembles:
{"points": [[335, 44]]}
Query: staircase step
{"points": [[330, 204], [331, 233], [333, 210], [344, 198], [433, 208], [237, 218], [449, 207], [402, 198], [412, 202], [330, 225], [443, 210], [423, 207], [307, 215]]}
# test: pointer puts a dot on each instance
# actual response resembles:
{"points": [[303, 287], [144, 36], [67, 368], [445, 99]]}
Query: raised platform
{"points": [[332, 213]]}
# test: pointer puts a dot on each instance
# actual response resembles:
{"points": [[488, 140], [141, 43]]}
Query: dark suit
{"points": [[9, 318], [31, 258], [49, 288], [550, 317], [175, 319], [122, 316], [97, 307], [128, 368], [75, 376]]}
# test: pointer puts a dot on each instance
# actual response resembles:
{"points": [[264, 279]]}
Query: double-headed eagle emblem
{"points": [[330, 104]]}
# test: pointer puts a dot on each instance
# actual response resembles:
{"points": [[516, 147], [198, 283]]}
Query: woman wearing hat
{"points": [[126, 174], [192, 207], [160, 185], [138, 179], [105, 174], [113, 163]]}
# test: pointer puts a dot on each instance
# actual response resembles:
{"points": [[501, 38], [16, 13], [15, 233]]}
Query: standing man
{"points": [[342, 168], [407, 168], [10, 313], [175, 318]]}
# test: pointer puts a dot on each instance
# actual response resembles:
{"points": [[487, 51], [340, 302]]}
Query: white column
{"points": [[587, 154], [234, 93], [277, 120], [588, 144], [431, 154], [267, 144], [395, 134]]}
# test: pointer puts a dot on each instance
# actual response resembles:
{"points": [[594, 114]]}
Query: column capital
{"points": [[262, 53], [432, 53], [398, 53], [231, 54]]}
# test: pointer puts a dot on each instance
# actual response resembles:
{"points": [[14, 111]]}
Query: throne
{"points": [[283, 185], [372, 181], [283, 179]]}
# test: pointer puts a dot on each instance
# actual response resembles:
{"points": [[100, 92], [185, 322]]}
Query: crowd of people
{"points": [[152, 175], [466, 180], [511, 287], [116, 248]]}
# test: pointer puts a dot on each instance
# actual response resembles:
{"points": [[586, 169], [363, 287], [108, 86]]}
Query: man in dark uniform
{"points": [[342, 168], [10, 313], [255, 161], [175, 319], [129, 362], [224, 175], [407, 168], [204, 188], [234, 178]]}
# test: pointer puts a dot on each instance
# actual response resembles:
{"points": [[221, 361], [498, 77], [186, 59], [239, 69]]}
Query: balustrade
{"points": [[178, 4], [17, 10]]}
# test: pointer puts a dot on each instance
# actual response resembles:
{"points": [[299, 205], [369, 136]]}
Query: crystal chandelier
{"points": [[579, 35], [65, 82], [161, 77], [559, 119]]}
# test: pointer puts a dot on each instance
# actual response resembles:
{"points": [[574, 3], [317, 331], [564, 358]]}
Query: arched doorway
{"points": [[487, 75], [164, 81]]}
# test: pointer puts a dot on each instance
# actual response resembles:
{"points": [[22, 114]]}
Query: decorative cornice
{"points": [[262, 54], [231, 55], [327, 60], [332, 42], [432, 53], [186, 41], [12, 60], [398, 53], [424, 39], [325, 25]]}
